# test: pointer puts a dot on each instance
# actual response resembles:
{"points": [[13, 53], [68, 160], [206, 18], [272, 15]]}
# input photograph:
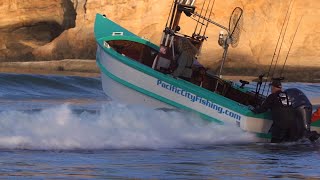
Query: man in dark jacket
{"points": [[272, 100], [279, 104], [187, 52]]}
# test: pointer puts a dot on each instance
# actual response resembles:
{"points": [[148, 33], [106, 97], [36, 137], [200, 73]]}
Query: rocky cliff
{"points": [[63, 29]]}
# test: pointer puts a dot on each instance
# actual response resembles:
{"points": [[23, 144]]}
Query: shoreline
{"points": [[49, 72], [69, 67], [72, 67], [86, 68]]}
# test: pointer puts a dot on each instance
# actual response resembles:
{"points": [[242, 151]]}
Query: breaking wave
{"points": [[112, 126]]}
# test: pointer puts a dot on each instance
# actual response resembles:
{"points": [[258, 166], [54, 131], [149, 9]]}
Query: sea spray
{"points": [[112, 126]]}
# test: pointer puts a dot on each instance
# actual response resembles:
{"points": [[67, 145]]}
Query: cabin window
{"points": [[134, 50]]}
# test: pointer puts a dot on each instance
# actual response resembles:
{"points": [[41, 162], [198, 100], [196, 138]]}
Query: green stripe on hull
{"points": [[316, 123], [263, 135]]}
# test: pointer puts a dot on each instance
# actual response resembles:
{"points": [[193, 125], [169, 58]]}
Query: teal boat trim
{"points": [[104, 27]]}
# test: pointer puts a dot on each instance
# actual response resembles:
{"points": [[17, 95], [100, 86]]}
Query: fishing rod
{"points": [[198, 21], [268, 73], [278, 55], [294, 36], [279, 51], [209, 18], [205, 15]]}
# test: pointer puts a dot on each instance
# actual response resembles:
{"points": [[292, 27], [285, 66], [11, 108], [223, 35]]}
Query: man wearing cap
{"points": [[279, 104], [272, 100]]}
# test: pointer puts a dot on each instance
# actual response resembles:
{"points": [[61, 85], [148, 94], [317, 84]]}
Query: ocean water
{"points": [[65, 127]]}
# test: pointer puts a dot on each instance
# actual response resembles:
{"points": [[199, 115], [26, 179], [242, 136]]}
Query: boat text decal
{"points": [[197, 99]]}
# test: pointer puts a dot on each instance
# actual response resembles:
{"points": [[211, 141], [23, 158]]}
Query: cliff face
{"points": [[60, 29], [26, 26]]}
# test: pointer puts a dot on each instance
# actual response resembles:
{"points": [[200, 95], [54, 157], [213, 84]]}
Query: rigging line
{"points": [[198, 21], [205, 16], [285, 32], [209, 18], [169, 13], [280, 36], [265, 83], [294, 36]]}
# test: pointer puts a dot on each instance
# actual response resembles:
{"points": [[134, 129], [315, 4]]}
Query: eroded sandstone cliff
{"points": [[63, 29]]}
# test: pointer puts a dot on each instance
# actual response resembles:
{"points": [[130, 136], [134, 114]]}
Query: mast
{"points": [[171, 31]]}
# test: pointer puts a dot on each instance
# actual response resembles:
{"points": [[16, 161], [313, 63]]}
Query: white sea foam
{"points": [[113, 126]]}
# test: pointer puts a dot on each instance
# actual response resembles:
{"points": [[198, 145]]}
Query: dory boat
{"points": [[132, 72]]}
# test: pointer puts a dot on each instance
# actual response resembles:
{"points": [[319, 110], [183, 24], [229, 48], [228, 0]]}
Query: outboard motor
{"points": [[303, 112]]}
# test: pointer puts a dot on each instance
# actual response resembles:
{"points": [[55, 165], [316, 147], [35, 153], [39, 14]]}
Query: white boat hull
{"points": [[123, 94], [119, 92], [139, 88]]}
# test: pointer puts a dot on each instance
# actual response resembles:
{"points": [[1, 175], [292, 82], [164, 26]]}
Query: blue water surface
{"points": [[65, 127]]}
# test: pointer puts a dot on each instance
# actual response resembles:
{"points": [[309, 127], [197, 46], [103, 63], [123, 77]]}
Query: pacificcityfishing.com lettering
{"points": [[195, 98]]}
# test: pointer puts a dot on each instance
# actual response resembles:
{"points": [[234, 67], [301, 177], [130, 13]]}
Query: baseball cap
{"points": [[276, 83]]}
